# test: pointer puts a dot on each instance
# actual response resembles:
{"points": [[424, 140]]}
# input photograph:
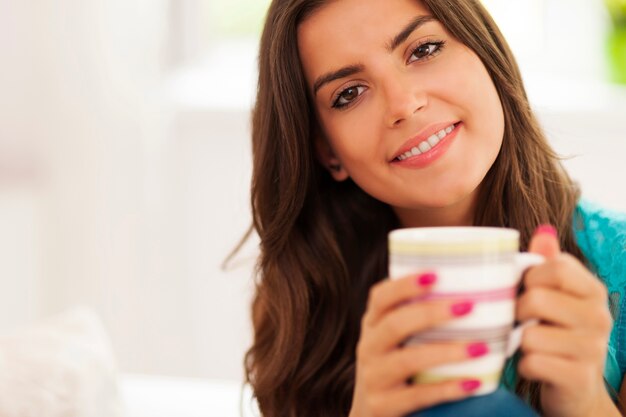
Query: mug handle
{"points": [[523, 261]]}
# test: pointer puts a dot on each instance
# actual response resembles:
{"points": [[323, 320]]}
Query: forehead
{"points": [[344, 31], [362, 11]]}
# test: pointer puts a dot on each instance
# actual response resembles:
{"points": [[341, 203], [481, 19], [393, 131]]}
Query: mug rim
{"points": [[453, 240]]}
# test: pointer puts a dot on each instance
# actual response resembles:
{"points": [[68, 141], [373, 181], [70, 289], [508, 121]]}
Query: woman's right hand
{"points": [[383, 365]]}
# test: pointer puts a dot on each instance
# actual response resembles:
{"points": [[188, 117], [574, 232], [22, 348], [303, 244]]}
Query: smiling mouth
{"points": [[427, 144]]}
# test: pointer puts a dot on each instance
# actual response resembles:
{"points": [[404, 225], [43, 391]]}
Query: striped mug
{"points": [[478, 264]]}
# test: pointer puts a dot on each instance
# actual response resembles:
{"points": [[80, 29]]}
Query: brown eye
{"points": [[422, 51], [347, 96], [426, 51]]}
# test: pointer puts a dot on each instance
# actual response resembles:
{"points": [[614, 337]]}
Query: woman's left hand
{"points": [[566, 352]]}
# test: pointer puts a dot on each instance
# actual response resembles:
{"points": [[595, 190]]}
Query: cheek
{"points": [[483, 98], [353, 140], [473, 90], [483, 113]]}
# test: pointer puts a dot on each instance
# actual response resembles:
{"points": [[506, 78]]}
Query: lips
{"points": [[425, 141], [427, 146]]}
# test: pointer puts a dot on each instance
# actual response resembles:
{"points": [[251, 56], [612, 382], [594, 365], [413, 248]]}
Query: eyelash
{"points": [[438, 47]]}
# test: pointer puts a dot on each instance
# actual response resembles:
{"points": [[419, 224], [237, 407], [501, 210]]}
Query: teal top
{"points": [[601, 236]]}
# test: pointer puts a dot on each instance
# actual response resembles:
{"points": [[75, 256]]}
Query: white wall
{"points": [[110, 197], [547, 35]]}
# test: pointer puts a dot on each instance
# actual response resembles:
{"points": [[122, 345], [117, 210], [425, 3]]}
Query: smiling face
{"points": [[409, 112]]}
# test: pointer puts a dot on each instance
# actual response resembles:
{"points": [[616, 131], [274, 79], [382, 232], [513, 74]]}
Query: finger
{"points": [[405, 321], [555, 370], [545, 242], [388, 294], [566, 273], [420, 396], [395, 368], [562, 309], [567, 344]]}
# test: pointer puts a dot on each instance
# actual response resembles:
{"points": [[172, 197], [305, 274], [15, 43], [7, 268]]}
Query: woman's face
{"points": [[409, 112]]}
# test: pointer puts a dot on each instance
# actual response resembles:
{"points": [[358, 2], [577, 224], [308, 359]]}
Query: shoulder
{"points": [[601, 236]]}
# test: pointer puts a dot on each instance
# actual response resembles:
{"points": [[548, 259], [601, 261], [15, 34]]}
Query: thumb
{"points": [[545, 242]]}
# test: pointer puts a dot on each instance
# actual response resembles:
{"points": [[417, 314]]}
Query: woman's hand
{"points": [[567, 351], [383, 366]]}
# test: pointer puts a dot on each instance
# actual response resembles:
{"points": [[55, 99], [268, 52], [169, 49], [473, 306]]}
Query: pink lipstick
{"points": [[428, 146]]}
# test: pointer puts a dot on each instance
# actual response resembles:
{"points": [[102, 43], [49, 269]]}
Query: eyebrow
{"points": [[413, 25], [335, 75], [397, 40]]}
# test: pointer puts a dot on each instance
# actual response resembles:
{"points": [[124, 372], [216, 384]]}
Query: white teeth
{"points": [[428, 144], [433, 140]]}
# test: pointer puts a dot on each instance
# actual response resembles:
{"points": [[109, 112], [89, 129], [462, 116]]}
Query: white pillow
{"points": [[63, 367]]}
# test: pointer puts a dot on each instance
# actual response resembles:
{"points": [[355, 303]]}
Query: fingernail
{"points": [[461, 309], [470, 385], [477, 349], [546, 229], [427, 279]]}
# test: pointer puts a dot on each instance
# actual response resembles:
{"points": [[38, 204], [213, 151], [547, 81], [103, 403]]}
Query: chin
{"points": [[446, 200]]}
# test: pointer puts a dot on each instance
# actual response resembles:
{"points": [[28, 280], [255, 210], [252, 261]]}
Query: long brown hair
{"points": [[323, 243]]}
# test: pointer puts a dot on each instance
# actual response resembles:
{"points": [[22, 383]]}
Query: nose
{"points": [[404, 97]]}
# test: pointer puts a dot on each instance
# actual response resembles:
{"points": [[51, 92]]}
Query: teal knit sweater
{"points": [[601, 235]]}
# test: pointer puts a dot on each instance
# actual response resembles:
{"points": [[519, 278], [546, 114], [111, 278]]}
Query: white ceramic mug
{"points": [[477, 264]]}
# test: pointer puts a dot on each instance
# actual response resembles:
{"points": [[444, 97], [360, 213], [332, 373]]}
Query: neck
{"points": [[460, 213]]}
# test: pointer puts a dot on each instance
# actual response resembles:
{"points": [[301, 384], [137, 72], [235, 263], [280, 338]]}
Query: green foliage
{"points": [[617, 9], [616, 48]]}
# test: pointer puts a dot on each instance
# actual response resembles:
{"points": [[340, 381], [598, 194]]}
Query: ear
{"points": [[326, 156]]}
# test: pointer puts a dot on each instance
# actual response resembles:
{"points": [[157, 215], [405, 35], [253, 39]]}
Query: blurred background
{"points": [[125, 158]]}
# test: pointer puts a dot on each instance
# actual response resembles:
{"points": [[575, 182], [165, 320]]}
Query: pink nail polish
{"points": [[477, 349], [427, 279], [470, 385], [461, 309], [546, 229]]}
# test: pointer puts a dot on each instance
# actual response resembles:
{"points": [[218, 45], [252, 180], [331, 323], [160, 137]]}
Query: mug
{"points": [[481, 265]]}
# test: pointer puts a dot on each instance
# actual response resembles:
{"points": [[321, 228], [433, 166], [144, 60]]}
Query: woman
{"points": [[378, 114]]}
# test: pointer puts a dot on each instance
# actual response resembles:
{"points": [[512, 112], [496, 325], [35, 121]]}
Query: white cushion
{"points": [[62, 367]]}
